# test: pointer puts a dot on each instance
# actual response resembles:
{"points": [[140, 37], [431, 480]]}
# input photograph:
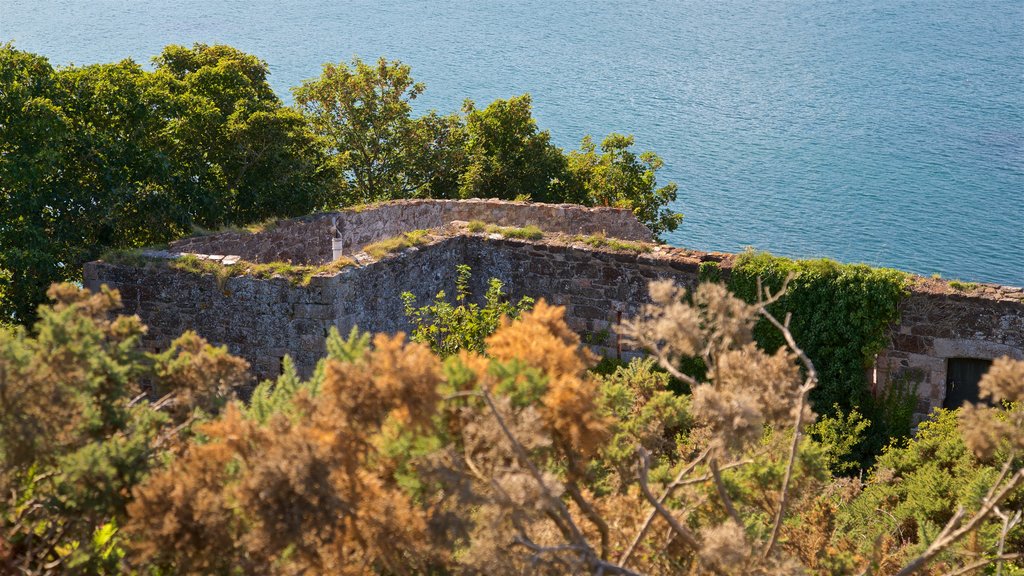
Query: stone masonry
{"points": [[262, 320]]}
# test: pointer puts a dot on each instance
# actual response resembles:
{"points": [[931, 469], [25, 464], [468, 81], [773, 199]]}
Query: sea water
{"points": [[880, 131]]}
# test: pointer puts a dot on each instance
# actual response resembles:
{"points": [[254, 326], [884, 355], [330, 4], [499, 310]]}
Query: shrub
{"points": [[448, 328]]}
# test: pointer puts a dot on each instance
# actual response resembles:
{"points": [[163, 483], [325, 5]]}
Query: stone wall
{"points": [[308, 240], [938, 323], [263, 319], [599, 288]]}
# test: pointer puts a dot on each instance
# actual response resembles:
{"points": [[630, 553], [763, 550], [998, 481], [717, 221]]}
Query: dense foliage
{"points": [[113, 156], [840, 316], [389, 459]]}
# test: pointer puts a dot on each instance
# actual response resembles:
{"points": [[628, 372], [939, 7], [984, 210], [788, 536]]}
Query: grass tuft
{"points": [[530, 232], [962, 286], [384, 247], [297, 274], [602, 241]]}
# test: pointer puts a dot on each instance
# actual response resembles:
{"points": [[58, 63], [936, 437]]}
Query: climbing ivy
{"points": [[840, 313]]}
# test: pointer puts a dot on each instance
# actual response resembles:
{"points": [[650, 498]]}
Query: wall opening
{"points": [[962, 377]]}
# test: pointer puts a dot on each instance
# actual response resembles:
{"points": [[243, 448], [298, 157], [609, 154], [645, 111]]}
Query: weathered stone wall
{"points": [[599, 288], [262, 320], [938, 323], [307, 240], [258, 319]]}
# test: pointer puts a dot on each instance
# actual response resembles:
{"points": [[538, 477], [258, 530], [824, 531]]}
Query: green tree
{"points": [[113, 156], [509, 157], [619, 177], [363, 114]]}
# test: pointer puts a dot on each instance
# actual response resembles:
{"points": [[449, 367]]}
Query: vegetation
{"points": [[529, 232], [840, 313], [603, 241], [963, 286], [620, 177], [297, 274], [363, 114], [517, 459], [114, 156], [405, 240], [449, 328]]}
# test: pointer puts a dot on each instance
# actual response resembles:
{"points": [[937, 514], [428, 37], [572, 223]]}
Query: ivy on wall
{"points": [[840, 315]]}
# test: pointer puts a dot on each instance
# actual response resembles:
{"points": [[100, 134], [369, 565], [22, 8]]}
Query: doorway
{"points": [[962, 377]]}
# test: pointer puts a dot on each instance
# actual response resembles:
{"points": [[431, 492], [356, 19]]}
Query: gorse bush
{"points": [[510, 458]]}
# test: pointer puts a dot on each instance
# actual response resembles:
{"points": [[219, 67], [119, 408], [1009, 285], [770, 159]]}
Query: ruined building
{"points": [[596, 262]]}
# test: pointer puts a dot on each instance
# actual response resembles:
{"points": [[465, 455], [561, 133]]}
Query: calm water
{"points": [[879, 131]]}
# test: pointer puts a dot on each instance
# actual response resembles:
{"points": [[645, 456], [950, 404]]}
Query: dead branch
{"points": [[688, 537]]}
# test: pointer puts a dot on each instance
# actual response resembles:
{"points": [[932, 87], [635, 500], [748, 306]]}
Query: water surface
{"points": [[887, 132]]}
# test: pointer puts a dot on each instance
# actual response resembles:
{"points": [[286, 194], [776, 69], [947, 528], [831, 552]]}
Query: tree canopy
{"points": [[363, 114], [112, 156], [117, 156]]}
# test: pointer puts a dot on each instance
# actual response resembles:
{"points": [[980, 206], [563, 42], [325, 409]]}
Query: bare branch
{"points": [[983, 563], [556, 503], [809, 384], [722, 493], [688, 537], [664, 496], [1009, 522]]}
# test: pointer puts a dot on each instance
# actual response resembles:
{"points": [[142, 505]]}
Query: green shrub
{"points": [[839, 435], [919, 483], [840, 314], [709, 272], [448, 328]]}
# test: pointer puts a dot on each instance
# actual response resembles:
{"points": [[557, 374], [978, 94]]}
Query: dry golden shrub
{"points": [[298, 496]]}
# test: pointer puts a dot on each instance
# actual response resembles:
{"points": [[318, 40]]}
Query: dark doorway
{"points": [[962, 376]]}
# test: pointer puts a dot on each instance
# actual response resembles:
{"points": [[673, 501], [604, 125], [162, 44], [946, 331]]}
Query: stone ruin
{"points": [[573, 265]]}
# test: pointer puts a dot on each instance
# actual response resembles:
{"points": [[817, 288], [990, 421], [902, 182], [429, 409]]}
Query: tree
{"points": [[509, 157], [363, 114], [619, 177], [113, 156]]}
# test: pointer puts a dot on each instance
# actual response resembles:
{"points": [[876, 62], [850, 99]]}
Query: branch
{"points": [[723, 494], [664, 362], [688, 537], [809, 384], [1009, 522], [984, 562], [524, 460], [654, 511], [591, 514], [948, 536]]}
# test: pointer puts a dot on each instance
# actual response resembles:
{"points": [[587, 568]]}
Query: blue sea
{"points": [[882, 131]]}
